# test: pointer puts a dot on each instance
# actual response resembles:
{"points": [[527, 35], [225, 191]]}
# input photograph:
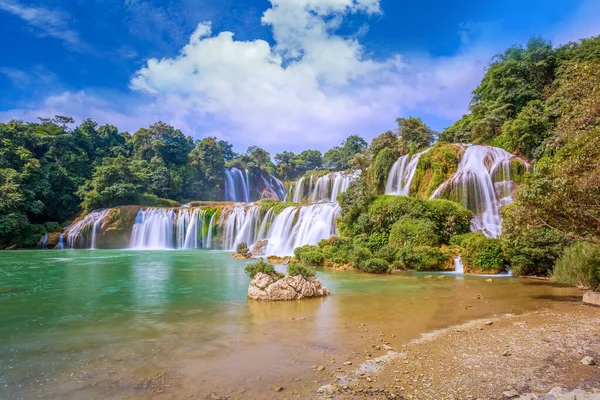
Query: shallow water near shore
{"points": [[173, 324]]}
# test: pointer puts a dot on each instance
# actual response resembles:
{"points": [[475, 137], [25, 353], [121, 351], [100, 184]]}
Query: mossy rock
{"points": [[434, 168]]}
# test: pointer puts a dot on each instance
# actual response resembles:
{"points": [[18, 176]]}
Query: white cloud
{"points": [[48, 23], [311, 89]]}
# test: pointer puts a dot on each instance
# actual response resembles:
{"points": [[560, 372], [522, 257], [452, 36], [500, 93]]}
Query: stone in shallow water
{"points": [[265, 287], [588, 361]]}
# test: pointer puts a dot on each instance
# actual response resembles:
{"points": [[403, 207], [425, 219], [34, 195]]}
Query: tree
{"points": [[414, 134], [163, 141], [339, 158], [260, 157]]}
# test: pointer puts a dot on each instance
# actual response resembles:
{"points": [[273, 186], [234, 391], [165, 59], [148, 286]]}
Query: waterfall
{"points": [[482, 184], [330, 186], [242, 187], [237, 186], [402, 174], [77, 234], [299, 226], [458, 266], [160, 228], [61, 242], [43, 241], [291, 228]]}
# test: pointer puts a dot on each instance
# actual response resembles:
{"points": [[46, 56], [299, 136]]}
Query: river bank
{"points": [[513, 356]]}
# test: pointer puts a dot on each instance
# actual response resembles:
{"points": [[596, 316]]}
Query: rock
{"points": [[592, 298], [509, 394], [587, 360], [429, 277], [238, 256], [488, 323], [260, 248], [320, 368], [265, 287], [327, 389], [506, 353], [441, 277], [489, 280], [348, 363]]}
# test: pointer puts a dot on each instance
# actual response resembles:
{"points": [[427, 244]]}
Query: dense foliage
{"points": [[296, 268], [263, 267], [580, 266]]}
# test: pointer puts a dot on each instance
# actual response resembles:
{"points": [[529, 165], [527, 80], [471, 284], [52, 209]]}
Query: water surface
{"points": [[170, 324]]}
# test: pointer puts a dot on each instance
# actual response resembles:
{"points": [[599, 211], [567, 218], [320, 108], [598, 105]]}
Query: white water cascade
{"points": [[459, 268], [291, 228], [79, 234], [402, 174], [244, 187], [482, 183], [161, 228]]}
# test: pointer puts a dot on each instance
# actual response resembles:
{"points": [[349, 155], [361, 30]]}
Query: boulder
{"points": [[260, 248], [268, 288], [592, 298]]}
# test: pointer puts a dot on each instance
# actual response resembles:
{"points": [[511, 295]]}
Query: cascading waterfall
{"points": [[237, 186], [402, 174], [243, 187], [43, 241], [459, 268], [78, 234], [482, 183], [330, 186], [291, 228], [61, 242], [160, 228]]}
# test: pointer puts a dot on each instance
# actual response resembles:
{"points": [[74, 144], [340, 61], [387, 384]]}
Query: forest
{"points": [[537, 101]]}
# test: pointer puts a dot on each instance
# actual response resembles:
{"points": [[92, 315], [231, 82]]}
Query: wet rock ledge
{"points": [[267, 288]]}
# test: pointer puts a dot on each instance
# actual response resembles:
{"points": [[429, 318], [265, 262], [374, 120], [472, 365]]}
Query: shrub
{"points": [[336, 249], [260, 266], [450, 218], [52, 227], [480, 254], [531, 252], [381, 166], [579, 266], [151, 200], [359, 255], [375, 266], [308, 254], [388, 253], [295, 269], [242, 248], [421, 258], [413, 232]]}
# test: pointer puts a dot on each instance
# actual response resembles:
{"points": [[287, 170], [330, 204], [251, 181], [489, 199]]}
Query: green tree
{"points": [[414, 134]]}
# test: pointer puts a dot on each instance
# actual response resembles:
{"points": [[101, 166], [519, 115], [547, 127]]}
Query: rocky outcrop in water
{"points": [[264, 287]]}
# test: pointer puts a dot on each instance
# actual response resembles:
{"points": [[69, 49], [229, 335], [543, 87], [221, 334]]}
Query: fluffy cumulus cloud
{"points": [[313, 87]]}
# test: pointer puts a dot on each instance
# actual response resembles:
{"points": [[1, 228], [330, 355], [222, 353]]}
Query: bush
{"points": [[480, 254], [359, 255], [413, 232], [388, 253], [295, 269], [421, 258], [336, 249], [53, 227], [375, 266], [531, 252], [450, 218], [381, 166], [579, 266], [242, 248], [308, 254], [260, 266], [151, 200]]}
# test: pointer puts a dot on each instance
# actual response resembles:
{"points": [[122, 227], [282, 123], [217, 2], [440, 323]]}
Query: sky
{"points": [[280, 74]]}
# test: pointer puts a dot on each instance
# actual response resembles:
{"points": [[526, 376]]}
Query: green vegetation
{"points": [[434, 168], [295, 269], [375, 266], [580, 266], [311, 255], [242, 249], [480, 254], [261, 266]]}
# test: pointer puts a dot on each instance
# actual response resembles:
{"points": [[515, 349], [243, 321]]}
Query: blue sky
{"points": [[283, 74]]}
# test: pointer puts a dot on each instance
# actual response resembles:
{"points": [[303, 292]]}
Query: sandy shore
{"points": [[513, 356]]}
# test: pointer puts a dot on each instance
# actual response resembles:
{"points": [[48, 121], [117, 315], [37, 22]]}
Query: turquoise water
{"points": [[94, 324]]}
